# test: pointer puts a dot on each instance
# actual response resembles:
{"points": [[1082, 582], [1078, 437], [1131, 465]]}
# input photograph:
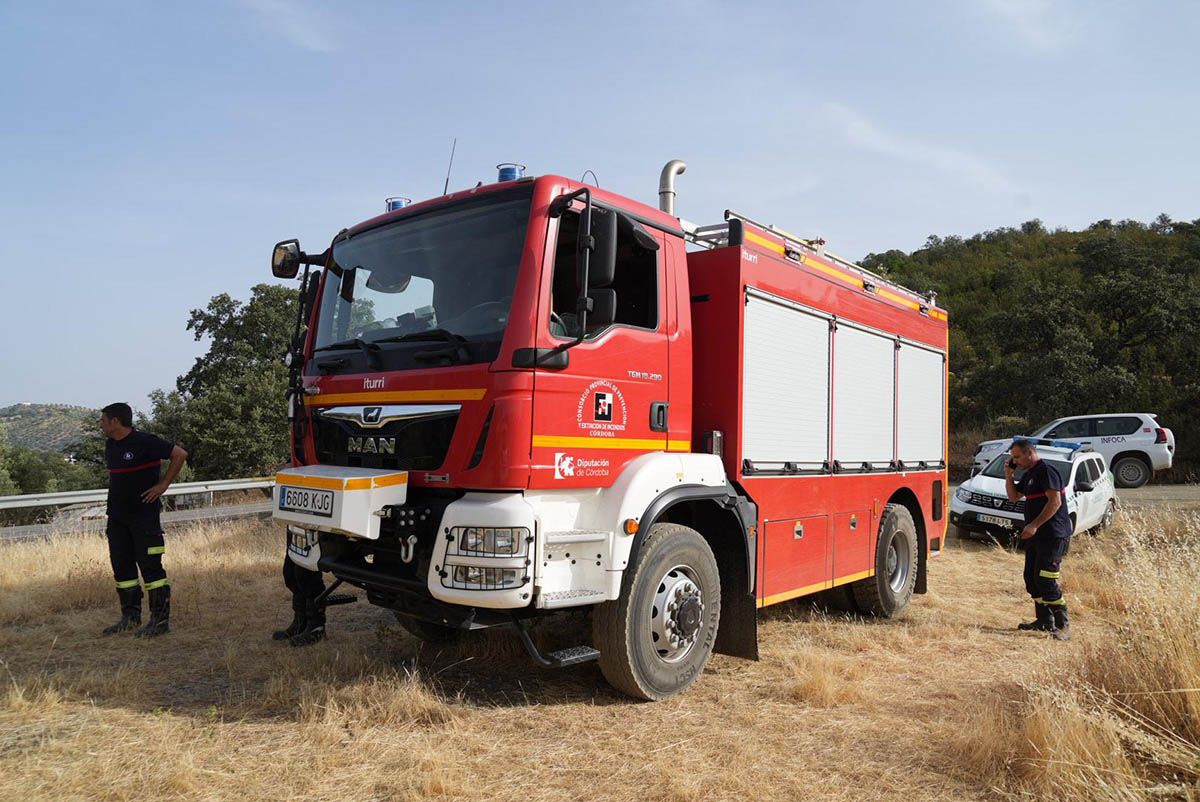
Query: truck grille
{"points": [[404, 442], [983, 500]]}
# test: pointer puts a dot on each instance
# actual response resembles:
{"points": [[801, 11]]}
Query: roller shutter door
{"points": [[864, 370], [785, 390], [922, 396]]}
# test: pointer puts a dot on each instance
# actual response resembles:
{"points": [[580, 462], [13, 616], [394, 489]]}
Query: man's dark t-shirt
{"points": [[134, 464], [1036, 485]]}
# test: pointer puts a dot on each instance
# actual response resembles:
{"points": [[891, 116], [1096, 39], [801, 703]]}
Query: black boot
{"points": [[1043, 622], [299, 622], [131, 611], [314, 629], [1062, 626], [160, 613]]}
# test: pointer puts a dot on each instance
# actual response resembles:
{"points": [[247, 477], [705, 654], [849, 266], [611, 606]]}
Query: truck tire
{"points": [[1131, 472], [655, 640], [886, 594], [428, 631]]}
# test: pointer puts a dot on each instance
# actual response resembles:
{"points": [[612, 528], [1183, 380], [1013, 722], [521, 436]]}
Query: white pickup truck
{"points": [[1133, 443]]}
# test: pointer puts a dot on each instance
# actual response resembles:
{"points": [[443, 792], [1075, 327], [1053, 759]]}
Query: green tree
{"points": [[228, 411], [8, 487]]}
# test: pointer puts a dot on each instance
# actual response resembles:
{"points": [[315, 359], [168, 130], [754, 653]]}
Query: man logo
{"points": [[371, 414], [999, 502], [564, 466], [604, 407]]}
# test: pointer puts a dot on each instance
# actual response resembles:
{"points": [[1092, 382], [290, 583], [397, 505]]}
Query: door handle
{"points": [[658, 416]]}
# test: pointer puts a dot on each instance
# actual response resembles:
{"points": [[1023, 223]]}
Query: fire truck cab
{"points": [[538, 395]]}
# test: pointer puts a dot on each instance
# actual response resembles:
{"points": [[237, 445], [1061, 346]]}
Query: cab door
{"points": [[610, 403]]}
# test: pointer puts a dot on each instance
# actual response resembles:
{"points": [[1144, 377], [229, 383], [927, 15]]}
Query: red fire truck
{"points": [[536, 395]]}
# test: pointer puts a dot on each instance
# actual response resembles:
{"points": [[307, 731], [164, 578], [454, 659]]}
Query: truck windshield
{"points": [[433, 287]]}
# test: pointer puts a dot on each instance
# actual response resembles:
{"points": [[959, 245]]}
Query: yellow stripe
{"points": [[763, 242], [813, 588], [155, 550], [626, 443], [326, 399], [845, 580], [127, 584], [679, 445], [390, 480], [1050, 574], [335, 483], [156, 584], [832, 271], [792, 594], [841, 275]]}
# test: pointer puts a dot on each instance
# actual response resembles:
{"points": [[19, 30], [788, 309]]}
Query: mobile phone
{"points": [[1012, 464]]}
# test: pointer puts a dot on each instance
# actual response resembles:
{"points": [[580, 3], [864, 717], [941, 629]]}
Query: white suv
{"points": [[980, 506], [1133, 443]]}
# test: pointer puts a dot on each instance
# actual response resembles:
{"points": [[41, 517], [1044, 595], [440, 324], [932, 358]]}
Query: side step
{"points": [[339, 598], [558, 659]]}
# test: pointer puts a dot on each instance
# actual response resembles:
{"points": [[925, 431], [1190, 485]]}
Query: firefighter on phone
{"points": [[135, 535], [1046, 534]]}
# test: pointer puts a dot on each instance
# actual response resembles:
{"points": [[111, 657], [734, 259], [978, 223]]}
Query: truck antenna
{"points": [[446, 188]]}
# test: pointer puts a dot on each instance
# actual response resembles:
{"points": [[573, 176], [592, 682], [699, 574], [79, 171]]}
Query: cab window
{"points": [[1107, 427], [635, 283], [1072, 428], [1086, 472]]}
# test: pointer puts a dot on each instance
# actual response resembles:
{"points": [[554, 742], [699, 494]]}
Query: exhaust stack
{"points": [[666, 185]]}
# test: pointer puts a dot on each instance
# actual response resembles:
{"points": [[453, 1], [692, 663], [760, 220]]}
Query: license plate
{"points": [[997, 520], [307, 501]]}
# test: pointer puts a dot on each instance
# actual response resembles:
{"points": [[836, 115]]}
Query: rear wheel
{"points": [[887, 593], [1131, 472], [655, 640]]}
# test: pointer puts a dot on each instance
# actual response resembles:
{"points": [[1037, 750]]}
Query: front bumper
{"points": [[998, 524]]}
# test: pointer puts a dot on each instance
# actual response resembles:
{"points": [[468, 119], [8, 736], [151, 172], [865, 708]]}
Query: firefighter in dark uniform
{"points": [[135, 539], [308, 617], [1047, 535]]}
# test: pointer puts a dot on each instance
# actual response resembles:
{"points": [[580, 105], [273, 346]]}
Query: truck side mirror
{"points": [[602, 265], [604, 308], [1084, 486], [285, 259]]}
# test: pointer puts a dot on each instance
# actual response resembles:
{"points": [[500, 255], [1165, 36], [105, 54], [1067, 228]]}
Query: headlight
{"points": [[491, 541], [962, 494], [485, 577]]}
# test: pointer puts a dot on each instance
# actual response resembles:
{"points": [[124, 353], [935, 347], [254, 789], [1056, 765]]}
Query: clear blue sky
{"points": [[152, 152]]}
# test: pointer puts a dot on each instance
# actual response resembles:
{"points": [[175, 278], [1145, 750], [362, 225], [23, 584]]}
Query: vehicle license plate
{"points": [[997, 520], [305, 500]]}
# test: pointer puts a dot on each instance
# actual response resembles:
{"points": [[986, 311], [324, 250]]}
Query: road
{"points": [[170, 520]]}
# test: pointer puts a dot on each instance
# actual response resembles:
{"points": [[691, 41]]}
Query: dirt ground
{"points": [[837, 708]]}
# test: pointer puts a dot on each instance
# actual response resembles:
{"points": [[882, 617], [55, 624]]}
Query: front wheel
{"points": [[1130, 472], [887, 593], [655, 640], [1106, 520]]}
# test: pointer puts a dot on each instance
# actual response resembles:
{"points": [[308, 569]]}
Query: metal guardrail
{"points": [[90, 496]]}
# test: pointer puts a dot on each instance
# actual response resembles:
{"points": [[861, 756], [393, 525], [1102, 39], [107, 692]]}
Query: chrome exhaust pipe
{"points": [[666, 185]]}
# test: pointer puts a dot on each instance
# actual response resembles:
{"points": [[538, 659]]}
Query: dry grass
{"points": [[1121, 721], [948, 703]]}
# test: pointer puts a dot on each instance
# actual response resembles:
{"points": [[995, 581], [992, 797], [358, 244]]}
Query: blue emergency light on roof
{"points": [[1038, 441], [510, 171], [397, 203]]}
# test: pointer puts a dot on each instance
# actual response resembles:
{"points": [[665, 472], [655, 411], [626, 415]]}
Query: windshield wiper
{"points": [[429, 334], [370, 350]]}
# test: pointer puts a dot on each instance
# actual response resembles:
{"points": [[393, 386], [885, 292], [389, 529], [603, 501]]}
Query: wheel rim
{"points": [[678, 613], [1132, 471], [899, 563], [1108, 516]]}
